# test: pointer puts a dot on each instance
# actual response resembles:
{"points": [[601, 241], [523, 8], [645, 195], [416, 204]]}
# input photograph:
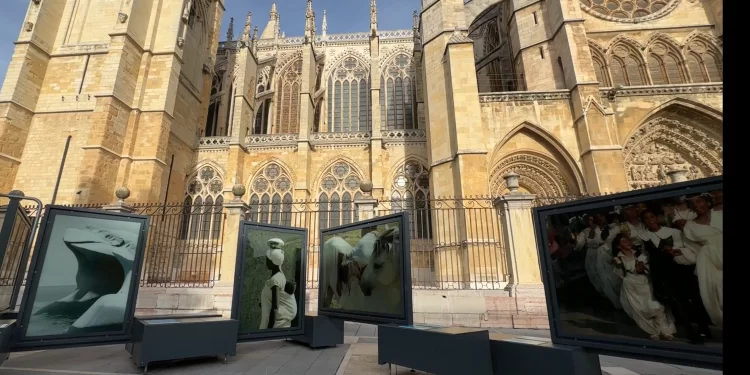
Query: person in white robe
{"points": [[590, 239], [707, 229], [278, 307], [610, 282], [636, 296]]}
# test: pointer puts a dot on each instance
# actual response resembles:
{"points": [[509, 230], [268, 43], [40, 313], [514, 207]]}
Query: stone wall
{"points": [[468, 308]]}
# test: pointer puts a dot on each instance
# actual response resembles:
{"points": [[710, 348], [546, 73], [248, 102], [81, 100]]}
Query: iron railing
{"points": [[455, 243], [184, 244]]}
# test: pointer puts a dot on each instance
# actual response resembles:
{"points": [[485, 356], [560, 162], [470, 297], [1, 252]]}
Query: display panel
{"points": [[15, 233], [639, 272], [85, 278], [269, 292], [365, 271]]}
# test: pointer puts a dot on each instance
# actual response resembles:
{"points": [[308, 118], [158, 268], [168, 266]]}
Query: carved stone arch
{"points": [[356, 168], [539, 174], [626, 41], [207, 162], [577, 182], [599, 56], [271, 178], [285, 64], [705, 37], [402, 161], [273, 160], [339, 59], [662, 145], [264, 78], [391, 56], [683, 109], [665, 38], [597, 49]]}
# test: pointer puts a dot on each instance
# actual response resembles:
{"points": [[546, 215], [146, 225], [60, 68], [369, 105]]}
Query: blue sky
{"points": [[344, 16]]}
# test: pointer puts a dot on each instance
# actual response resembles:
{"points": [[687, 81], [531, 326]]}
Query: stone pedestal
{"points": [[120, 207], [235, 213], [365, 208]]}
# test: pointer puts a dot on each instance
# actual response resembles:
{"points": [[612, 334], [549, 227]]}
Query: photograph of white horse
{"points": [[362, 270]]}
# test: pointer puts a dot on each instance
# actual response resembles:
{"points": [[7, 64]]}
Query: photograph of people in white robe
{"points": [[85, 282], [361, 270], [271, 281], [651, 270]]}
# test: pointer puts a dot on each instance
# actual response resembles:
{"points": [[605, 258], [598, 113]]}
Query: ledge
{"points": [[520, 96]]}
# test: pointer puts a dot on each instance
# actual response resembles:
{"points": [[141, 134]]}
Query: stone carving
{"points": [[665, 90], [537, 175], [523, 96], [271, 139], [347, 137], [630, 11], [662, 145], [205, 183], [213, 142], [180, 42], [122, 17], [29, 26]]}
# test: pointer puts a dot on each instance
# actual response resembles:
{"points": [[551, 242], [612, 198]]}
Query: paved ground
{"points": [[357, 357]]}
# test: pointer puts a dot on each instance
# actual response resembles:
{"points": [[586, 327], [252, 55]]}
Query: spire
{"points": [[309, 23], [272, 26], [230, 30], [373, 18], [325, 23], [255, 40], [415, 28], [248, 22]]}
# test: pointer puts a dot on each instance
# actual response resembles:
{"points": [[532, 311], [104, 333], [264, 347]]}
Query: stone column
{"points": [[365, 207], [525, 286], [520, 240], [235, 213], [122, 193]]}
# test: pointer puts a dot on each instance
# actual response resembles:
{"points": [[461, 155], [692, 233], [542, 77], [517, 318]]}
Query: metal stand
{"points": [[527, 355]]}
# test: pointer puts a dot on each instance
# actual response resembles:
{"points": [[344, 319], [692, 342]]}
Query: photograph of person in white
{"points": [[277, 303], [651, 269]]}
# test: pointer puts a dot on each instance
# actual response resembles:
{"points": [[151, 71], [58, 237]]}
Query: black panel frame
{"points": [[406, 316], [641, 349], [239, 275], [23, 343]]}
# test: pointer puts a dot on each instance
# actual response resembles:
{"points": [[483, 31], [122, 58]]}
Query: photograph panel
{"points": [[362, 270], [86, 276], [273, 283], [649, 270]]}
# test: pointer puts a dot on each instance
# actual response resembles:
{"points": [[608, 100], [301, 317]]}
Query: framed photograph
{"points": [[83, 279], [15, 234], [365, 271], [638, 274], [269, 283]]}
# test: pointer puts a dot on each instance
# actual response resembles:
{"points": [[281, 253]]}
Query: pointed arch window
{"points": [[202, 216], [271, 196], [411, 192], [287, 99], [663, 65], [261, 118], [704, 62], [396, 106], [339, 187], [349, 97], [626, 67]]}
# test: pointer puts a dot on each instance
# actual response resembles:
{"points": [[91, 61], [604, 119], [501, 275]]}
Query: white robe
{"points": [[638, 300], [710, 263], [610, 282], [287, 304], [591, 260]]}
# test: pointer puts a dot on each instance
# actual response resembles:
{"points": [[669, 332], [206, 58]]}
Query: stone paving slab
{"points": [[358, 356]]}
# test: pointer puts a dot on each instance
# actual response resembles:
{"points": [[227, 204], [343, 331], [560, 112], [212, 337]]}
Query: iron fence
{"points": [[184, 245], [455, 243]]}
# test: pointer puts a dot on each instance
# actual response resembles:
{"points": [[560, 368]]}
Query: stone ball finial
{"points": [[122, 193], [238, 190], [17, 193], [366, 187], [511, 181]]}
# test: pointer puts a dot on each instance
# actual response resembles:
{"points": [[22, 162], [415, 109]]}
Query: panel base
{"points": [[322, 331], [513, 355]]}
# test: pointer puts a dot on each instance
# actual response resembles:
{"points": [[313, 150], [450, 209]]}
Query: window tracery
{"points": [[271, 196], [629, 10], [203, 205], [339, 187], [411, 192], [703, 62], [287, 99], [397, 94], [663, 65], [349, 97], [625, 66]]}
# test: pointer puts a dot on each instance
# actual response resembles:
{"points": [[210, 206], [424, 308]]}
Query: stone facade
{"points": [[589, 96]]}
